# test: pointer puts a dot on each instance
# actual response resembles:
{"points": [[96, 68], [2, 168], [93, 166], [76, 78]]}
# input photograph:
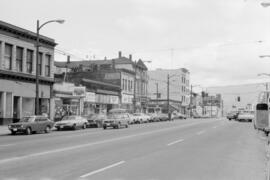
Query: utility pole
{"points": [[211, 106], [157, 94], [190, 103], [267, 93], [135, 83], [168, 96]]}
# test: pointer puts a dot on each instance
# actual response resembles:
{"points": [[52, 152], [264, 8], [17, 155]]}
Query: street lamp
{"points": [[265, 4], [60, 21]]}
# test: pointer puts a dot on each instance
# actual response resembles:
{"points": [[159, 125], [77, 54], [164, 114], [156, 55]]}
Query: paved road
{"points": [[182, 149]]}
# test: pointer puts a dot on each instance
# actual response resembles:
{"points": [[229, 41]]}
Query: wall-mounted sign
{"points": [[79, 91], [127, 99], [90, 97]]}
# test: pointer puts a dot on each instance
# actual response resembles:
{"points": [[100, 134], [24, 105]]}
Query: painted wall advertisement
{"points": [[127, 99], [90, 97], [106, 99]]}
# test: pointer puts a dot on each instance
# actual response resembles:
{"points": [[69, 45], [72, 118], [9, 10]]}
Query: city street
{"points": [[181, 149]]}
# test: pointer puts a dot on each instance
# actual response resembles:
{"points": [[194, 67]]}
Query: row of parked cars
{"points": [[240, 116], [116, 118]]}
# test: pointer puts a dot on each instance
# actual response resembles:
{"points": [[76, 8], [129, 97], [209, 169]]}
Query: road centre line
{"points": [[2, 161], [102, 169], [175, 142], [200, 132], [5, 145]]}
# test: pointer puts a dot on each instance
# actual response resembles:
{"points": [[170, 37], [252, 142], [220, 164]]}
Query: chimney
{"points": [[119, 54], [130, 57]]}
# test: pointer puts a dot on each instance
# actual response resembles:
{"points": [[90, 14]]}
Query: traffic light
{"points": [[203, 94], [238, 98]]}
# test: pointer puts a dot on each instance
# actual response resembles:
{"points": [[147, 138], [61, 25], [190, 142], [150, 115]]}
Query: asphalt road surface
{"points": [[182, 149]]}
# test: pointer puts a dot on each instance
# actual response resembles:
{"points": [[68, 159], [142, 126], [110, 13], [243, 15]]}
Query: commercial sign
{"points": [[127, 99], [79, 91], [90, 97], [106, 99]]}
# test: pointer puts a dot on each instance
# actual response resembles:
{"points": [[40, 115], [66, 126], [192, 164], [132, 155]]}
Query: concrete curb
{"points": [[268, 158]]}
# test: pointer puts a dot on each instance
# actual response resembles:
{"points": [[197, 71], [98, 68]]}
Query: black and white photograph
{"points": [[135, 90]]}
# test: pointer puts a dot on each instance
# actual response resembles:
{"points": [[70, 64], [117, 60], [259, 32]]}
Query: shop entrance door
{"points": [[16, 110]]}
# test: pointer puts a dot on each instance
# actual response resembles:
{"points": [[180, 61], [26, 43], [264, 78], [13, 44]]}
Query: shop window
{"points": [[29, 61], [39, 63], [8, 56], [47, 65], [19, 58]]}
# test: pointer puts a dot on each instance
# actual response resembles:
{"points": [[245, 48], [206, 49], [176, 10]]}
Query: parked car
{"points": [[71, 122], [232, 115], [31, 124], [95, 120], [161, 117], [132, 118], [141, 118], [247, 116], [178, 115], [151, 117], [116, 120]]}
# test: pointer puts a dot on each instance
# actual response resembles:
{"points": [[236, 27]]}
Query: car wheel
{"points": [[84, 126], [28, 131], [126, 126], [104, 127], [13, 132], [74, 127], [47, 129], [58, 128]]}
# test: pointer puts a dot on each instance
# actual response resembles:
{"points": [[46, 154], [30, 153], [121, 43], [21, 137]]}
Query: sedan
{"points": [[72, 122], [31, 124], [95, 120]]}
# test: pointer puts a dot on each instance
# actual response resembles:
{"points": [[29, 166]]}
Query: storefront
{"points": [[17, 99], [68, 100], [127, 102]]}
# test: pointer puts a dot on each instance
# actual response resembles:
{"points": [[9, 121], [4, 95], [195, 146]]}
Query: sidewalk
{"points": [[4, 130]]}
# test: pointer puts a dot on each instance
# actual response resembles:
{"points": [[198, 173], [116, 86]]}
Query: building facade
{"points": [[178, 90], [119, 72], [18, 70]]}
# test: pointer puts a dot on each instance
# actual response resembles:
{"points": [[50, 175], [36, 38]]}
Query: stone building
{"points": [[18, 70]]}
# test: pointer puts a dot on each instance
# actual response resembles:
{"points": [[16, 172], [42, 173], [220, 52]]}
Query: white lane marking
{"points": [[214, 127], [174, 142], [102, 169], [94, 143], [5, 145], [200, 132]]}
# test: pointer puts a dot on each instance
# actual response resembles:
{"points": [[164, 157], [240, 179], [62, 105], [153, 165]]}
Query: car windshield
{"points": [[27, 119], [69, 118], [114, 116]]}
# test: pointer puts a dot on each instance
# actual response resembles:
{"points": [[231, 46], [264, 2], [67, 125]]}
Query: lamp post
{"points": [[37, 112]]}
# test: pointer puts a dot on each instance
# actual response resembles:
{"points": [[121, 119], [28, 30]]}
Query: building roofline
{"points": [[10, 28]]}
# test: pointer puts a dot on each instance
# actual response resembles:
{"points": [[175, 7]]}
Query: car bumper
{"points": [[66, 126], [19, 130]]}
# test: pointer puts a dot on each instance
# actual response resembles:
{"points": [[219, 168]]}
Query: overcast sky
{"points": [[217, 40]]}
